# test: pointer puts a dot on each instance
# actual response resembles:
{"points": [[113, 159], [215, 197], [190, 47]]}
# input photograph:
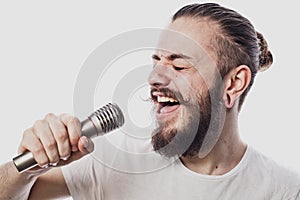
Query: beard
{"points": [[186, 139]]}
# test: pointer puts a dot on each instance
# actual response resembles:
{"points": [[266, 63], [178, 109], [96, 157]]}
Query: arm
{"points": [[31, 185], [53, 141], [50, 185], [14, 185]]}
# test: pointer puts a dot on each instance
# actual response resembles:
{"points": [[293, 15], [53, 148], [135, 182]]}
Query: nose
{"points": [[160, 75]]}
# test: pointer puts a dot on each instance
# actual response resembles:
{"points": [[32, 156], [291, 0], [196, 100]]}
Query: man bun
{"points": [[265, 56]]}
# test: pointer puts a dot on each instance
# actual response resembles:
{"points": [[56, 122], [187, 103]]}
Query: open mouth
{"points": [[167, 103]]}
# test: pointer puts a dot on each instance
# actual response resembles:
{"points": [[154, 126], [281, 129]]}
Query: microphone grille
{"points": [[110, 117]]}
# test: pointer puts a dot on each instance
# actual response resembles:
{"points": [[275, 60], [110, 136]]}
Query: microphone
{"points": [[102, 121]]}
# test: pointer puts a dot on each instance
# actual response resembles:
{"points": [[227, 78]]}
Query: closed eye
{"points": [[178, 68], [155, 57], [178, 61]]}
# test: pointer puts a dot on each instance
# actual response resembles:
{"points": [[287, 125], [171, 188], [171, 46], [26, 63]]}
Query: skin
{"points": [[229, 149], [54, 139], [57, 137]]}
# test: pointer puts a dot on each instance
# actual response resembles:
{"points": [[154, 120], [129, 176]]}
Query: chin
{"points": [[174, 136]]}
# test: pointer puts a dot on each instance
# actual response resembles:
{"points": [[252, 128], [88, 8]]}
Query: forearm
{"points": [[15, 185], [54, 141]]}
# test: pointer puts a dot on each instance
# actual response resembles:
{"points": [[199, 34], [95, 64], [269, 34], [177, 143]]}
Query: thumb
{"points": [[85, 145]]}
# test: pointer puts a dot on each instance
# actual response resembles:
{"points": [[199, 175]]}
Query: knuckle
{"points": [[50, 116], [74, 121], [62, 135], [63, 115], [39, 123], [37, 148], [27, 132], [50, 144]]}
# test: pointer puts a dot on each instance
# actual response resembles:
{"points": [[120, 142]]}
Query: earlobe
{"points": [[235, 83]]}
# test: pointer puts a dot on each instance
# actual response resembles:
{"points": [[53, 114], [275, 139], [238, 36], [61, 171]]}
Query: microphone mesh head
{"points": [[110, 117]]}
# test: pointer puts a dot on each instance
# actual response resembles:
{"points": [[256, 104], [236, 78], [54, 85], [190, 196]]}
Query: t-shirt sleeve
{"points": [[83, 180], [293, 193]]}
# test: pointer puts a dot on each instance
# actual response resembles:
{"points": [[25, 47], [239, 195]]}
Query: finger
{"points": [[42, 130], [85, 145], [32, 143], [74, 129], [60, 135]]}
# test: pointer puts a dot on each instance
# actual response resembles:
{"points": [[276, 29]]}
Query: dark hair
{"points": [[236, 43]]}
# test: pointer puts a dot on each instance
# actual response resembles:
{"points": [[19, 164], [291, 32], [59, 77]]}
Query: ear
{"points": [[235, 83]]}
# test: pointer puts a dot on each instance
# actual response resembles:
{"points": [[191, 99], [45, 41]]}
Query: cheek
{"points": [[188, 120], [190, 84], [197, 90]]}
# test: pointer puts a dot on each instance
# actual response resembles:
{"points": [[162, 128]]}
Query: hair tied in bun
{"points": [[265, 56]]}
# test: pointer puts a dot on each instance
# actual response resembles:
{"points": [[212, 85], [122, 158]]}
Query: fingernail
{"points": [[54, 164], [45, 166], [65, 158], [74, 148], [85, 142]]}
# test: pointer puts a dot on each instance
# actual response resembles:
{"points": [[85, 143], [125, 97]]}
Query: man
{"points": [[197, 107]]}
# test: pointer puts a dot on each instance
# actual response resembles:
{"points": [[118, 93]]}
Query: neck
{"points": [[225, 155]]}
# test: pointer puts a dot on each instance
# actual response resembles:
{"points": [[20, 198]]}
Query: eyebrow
{"points": [[172, 57]]}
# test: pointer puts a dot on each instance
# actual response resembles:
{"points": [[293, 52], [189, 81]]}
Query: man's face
{"points": [[182, 84]]}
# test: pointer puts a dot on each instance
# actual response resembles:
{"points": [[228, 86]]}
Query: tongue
{"points": [[168, 109]]}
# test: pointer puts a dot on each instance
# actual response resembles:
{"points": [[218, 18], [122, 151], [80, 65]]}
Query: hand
{"points": [[56, 140]]}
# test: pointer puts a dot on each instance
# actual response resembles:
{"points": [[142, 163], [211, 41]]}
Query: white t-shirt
{"points": [[129, 170]]}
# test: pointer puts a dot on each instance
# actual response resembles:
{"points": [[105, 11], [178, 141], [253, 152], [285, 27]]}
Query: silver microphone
{"points": [[102, 121]]}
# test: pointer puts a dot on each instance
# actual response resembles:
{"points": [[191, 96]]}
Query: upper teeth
{"points": [[165, 99]]}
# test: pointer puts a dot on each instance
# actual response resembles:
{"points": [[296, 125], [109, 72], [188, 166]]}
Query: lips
{"points": [[167, 109], [167, 103]]}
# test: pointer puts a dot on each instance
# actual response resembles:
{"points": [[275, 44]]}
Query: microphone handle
{"points": [[98, 123]]}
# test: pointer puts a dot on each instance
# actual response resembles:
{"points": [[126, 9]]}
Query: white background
{"points": [[44, 44]]}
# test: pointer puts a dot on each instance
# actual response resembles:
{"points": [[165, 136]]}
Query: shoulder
{"points": [[283, 177]]}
